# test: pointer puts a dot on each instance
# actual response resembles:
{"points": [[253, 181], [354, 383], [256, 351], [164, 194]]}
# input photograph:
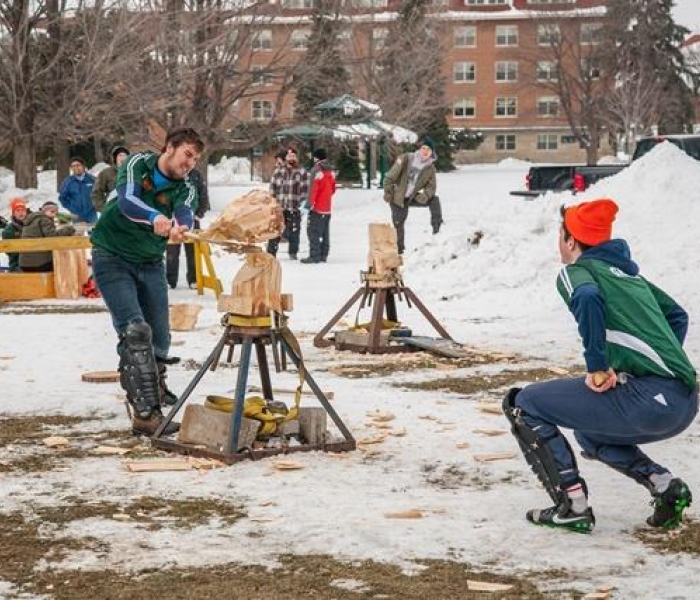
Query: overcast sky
{"points": [[687, 12]]}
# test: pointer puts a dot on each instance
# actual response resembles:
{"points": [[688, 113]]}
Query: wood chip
{"points": [[557, 370], [110, 450], [597, 596], [121, 517], [427, 417], [370, 452], [268, 503], [462, 445], [380, 416], [166, 464], [490, 407], [377, 439], [7, 357], [489, 432], [56, 441], [206, 463], [495, 456], [379, 425], [287, 465], [406, 514], [397, 432], [487, 586], [263, 519]]}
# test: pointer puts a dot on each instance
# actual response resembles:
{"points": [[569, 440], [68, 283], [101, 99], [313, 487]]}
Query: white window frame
{"points": [[589, 69], [297, 4], [547, 142], [465, 36], [506, 71], [262, 41], [547, 107], [295, 39], [260, 77], [379, 37], [547, 70], [261, 110], [507, 106], [506, 36], [508, 142], [548, 34], [485, 2], [462, 106], [464, 72], [590, 33]]}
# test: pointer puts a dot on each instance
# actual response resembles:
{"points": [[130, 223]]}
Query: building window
{"points": [[506, 71], [506, 107], [590, 33], [299, 39], [547, 71], [547, 141], [479, 2], [465, 37], [548, 34], [551, 1], [505, 142], [297, 3], [464, 108], [568, 139], [379, 35], [366, 3], [464, 72], [589, 68], [260, 77], [547, 106], [262, 40], [261, 110], [506, 35]]}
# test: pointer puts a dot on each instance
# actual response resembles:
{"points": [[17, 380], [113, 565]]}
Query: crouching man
{"points": [[153, 203], [639, 388]]}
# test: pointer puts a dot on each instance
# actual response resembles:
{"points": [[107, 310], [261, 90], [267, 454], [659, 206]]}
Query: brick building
{"points": [[498, 64]]}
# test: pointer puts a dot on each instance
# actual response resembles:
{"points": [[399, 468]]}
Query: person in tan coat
{"points": [[38, 225]]}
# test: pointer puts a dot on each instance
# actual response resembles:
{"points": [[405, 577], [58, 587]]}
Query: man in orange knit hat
{"points": [[639, 388]]}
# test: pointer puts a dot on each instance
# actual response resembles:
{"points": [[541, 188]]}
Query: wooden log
{"points": [[260, 280], [26, 286], [100, 376], [70, 273], [183, 317], [287, 301], [312, 424], [210, 428], [383, 252]]}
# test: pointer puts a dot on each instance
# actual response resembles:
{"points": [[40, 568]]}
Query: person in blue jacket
{"points": [[76, 192]]}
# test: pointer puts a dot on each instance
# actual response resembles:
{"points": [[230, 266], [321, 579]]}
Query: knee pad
{"points": [[138, 369], [534, 448]]}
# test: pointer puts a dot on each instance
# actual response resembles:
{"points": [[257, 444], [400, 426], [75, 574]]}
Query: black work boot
{"points": [[167, 397], [148, 425], [670, 504]]}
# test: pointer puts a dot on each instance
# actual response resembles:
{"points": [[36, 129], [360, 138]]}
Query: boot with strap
{"points": [[166, 396]]}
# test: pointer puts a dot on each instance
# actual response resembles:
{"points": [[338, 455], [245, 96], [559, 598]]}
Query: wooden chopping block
{"points": [[70, 273]]}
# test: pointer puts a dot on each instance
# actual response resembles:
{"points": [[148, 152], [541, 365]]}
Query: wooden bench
{"points": [[71, 272]]}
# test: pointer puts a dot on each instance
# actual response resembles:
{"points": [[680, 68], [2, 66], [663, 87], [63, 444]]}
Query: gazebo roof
{"points": [[348, 105]]}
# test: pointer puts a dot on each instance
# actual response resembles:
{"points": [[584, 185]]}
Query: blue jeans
{"points": [[134, 293], [609, 426]]}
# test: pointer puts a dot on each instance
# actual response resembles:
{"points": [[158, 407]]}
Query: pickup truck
{"points": [[576, 178]]}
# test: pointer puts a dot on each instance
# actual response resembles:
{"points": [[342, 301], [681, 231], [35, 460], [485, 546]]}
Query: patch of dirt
{"points": [[191, 364], [382, 366], [315, 576], [454, 476], [15, 429], [685, 540], [480, 383], [55, 309]]}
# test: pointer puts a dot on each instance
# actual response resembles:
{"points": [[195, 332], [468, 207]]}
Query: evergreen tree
{"points": [[322, 75], [412, 90]]}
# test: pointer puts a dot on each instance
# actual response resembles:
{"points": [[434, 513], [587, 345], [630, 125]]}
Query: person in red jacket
{"points": [[320, 197]]}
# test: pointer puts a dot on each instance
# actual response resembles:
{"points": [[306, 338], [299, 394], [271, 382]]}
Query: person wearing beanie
{"points": [[75, 194], [290, 187], [107, 178], [320, 198], [411, 181], [13, 229], [639, 385], [41, 224]]}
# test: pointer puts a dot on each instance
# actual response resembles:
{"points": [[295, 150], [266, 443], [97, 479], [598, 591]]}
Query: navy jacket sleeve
{"points": [[589, 311]]}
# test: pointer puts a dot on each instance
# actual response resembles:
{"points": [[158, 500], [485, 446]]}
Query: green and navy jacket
{"points": [[125, 228], [626, 323]]}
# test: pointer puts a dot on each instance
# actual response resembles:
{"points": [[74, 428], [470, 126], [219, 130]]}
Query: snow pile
{"points": [[230, 171], [510, 163]]}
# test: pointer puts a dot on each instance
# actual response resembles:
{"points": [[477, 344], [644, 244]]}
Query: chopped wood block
{"points": [[495, 456], [462, 445], [487, 586], [165, 464], [312, 424], [406, 514], [260, 280], [597, 596], [287, 301], [203, 464], [489, 432], [397, 432], [56, 441], [26, 286], [111, 450], [210, 428], [379, 425], [70, 273], [377, 439], [100, 377], [369, 452], [287, 465], [183, 317]]}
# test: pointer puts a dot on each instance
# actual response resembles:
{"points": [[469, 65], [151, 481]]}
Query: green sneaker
{"points": [[563, 517], [670, 504]]}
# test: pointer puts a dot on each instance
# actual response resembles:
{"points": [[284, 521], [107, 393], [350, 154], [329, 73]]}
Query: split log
{"points": [[183, 317], [70, 272], [383, 252], [256, 288]]}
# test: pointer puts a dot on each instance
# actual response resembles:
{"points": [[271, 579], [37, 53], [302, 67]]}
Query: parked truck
{"points": [[577, 178]]}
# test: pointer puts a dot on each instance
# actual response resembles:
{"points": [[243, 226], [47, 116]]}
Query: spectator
{"points": [[200, 206], [320, 197], [76, 192], [412, 182], [290, 186], [13, 230], [107, 178], [41, 224], [153, 203]]}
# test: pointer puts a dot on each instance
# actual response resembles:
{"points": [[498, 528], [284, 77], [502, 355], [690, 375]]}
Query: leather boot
{"points": [[148, 425], [167, 397]]}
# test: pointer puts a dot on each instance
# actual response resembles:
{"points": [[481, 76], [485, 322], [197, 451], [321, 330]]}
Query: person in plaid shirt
{"points": [[290, 187]]}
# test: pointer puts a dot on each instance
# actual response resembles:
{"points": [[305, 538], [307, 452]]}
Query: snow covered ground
{"points": [[489, 277]]}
